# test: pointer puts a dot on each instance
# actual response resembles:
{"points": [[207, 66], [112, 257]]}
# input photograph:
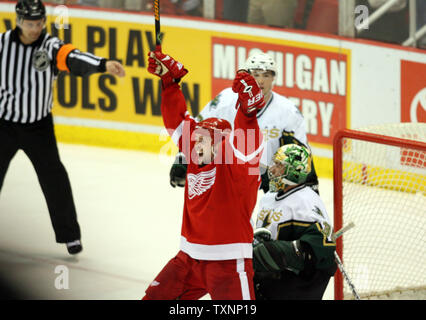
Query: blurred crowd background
{"points": [[312, 15]]}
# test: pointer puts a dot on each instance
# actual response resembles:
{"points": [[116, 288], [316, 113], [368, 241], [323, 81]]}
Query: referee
{"points": [[30, 60]]}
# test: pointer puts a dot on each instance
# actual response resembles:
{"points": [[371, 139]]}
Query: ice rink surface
{"points": [[130, 218]]}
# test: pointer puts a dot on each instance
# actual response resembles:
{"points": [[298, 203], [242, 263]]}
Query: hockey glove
{"points": [[163, 65], [265, 182], [178, 171], [261, 235], [261, 264], [250, 96]]}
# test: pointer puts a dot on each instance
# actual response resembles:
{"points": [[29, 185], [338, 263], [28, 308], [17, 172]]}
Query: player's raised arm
{"points": [[176, 118], [246, 139]]}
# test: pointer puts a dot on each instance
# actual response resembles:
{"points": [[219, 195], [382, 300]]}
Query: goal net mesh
{"points": [[384, 192]]}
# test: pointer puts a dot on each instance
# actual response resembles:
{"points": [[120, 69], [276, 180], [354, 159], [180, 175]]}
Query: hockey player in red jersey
{"points": [[215, 255]]}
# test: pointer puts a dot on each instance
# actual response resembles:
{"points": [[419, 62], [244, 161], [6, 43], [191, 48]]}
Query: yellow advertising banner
{"points": [[135, 98]]}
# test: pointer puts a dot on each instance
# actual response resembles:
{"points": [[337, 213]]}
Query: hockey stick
{"points": [[339, 262], [158, 34], [341, 231], [345, 275]]}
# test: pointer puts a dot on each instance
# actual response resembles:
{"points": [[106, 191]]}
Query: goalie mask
{"points": [[292, 164]]}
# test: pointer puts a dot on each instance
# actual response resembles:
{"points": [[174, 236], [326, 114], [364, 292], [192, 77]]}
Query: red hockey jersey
{"points": [[219, 197]]}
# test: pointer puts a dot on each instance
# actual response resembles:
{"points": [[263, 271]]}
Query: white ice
{"points": [[130, 218]]}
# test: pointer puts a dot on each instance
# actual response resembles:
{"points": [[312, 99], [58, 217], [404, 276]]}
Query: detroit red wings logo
{"points": [[200, 183]]}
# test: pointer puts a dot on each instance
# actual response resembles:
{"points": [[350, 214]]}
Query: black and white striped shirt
{"points": [[27, 73]]}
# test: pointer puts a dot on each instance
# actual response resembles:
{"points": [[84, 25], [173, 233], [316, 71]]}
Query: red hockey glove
{"points": [[250, 96], [160, 64]]}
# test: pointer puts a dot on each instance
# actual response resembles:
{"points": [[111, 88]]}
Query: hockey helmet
{"points": [[261, 61], [216, 127], [30, 9], [292, 164]]}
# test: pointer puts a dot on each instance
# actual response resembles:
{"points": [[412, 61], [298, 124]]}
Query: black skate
{"points": [[74, 247]]}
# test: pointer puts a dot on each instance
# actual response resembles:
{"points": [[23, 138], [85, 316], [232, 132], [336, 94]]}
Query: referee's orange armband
{"points": [[61, 57]]}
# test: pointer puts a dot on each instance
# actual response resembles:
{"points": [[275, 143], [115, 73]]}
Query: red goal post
{"points": [[378, 174]]}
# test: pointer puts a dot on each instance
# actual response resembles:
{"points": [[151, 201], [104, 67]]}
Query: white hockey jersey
{"points": [[299, 214], [279, 115]]}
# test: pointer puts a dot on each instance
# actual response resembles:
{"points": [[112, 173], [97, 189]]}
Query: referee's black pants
{"points": [[38, 141]]}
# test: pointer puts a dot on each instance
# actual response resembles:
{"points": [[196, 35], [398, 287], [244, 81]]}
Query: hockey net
{"points": [[380, 185]]}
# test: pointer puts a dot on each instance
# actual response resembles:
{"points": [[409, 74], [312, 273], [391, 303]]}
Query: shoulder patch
{"points": [[318, 211]]}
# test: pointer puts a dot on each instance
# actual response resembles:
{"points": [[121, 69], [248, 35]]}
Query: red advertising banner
{"points": [[316, 79], [413, 91]]}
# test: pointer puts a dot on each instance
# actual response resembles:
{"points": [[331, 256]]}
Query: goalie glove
{"points": [[165, 67], [250, 96], [261, 235]]}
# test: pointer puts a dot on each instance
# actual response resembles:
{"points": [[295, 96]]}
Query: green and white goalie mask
{"points": [[292, 164]]}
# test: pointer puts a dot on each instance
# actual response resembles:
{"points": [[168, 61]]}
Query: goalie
{"points": [[293, 253]]}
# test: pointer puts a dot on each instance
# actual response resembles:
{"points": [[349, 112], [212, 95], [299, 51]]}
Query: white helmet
{"points": [[262, 61]]}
